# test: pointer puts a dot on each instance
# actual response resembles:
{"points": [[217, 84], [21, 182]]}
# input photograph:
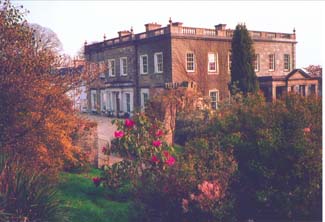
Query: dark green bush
{"points": [[278, 147]]}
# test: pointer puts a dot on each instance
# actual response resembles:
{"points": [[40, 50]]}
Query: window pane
{"points": [[271, 62], [286, 61], [214, 99], [128, 102], [159, 62], [190, 62], [212, 62], [257, 62]]}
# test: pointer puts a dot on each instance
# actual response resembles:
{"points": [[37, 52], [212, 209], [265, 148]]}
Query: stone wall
{"points": [[265, 48], [205, 80]]}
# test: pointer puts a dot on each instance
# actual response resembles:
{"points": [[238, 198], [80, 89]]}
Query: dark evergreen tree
{"points": [[243, 76]]}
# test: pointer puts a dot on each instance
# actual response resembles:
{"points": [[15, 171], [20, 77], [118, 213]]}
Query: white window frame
{"points": [[257, 62], [157, 70], [188, 62], [93, 100], [273, 63], [286, 64], [142, 92], [126, 102], [103, 100], [101, 70], [142, 64], [216, 63], [229, 61], [111, 68], [217, 97], [122, 59]]}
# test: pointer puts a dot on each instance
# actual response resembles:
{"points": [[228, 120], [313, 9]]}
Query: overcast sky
{"points": [[77, 21]]}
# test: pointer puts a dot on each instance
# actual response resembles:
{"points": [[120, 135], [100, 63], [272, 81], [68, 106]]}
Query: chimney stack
{"points": [[220, 27], [152, 26], [124, 33]]}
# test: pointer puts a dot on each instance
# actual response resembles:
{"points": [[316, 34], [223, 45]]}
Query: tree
{"points": [[316, 70], [46, 38], [37, 121], [243, 75]]}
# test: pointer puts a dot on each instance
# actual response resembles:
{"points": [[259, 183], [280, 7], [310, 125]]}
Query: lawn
{"points": [[86, 203]]}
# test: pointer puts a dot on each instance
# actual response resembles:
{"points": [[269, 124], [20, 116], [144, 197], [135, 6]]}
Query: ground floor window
{"points": [[103, 103], [214, 97], [93, 100], [312, 89], [302, 90], [144, 97], [128, 102]]}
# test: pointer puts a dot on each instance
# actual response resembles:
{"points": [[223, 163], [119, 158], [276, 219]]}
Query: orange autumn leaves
{"points": [[37, 121]]}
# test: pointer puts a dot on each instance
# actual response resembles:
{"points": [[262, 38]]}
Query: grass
{"points": [[86, 203]]}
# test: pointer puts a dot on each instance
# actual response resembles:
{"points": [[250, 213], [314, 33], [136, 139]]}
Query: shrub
{"points": [[278, 150], [161, 178], [26, 196]]}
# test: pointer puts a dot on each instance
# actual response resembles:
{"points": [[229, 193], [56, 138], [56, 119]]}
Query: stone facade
{"points": [[175, 54]]}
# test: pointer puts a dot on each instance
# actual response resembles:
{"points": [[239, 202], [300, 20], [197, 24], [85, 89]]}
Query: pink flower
{"points": [[185, 205], [166, 154], [104, 149], [154, 159], [156, 143], [307, 130], [118, 134], [96, 181], [170, 161], [129, 123], [159, 133]]}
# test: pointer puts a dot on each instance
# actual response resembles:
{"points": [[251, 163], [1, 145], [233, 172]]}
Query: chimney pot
{"points": [[152, 26], [220, 27]]}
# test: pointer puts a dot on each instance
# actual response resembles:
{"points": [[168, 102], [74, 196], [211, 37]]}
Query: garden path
{"points": [[105, 133]]}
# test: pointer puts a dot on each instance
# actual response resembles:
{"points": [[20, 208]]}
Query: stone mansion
{"points": [[175, 55]]}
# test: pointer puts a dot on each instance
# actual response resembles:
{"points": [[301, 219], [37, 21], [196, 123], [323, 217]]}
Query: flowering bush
{"points": [[162, 180], [96, 181], [140, 142]]}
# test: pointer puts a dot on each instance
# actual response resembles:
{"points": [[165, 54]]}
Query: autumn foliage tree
{"points": [[36, 117]]}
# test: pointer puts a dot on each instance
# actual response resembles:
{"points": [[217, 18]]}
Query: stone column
{"points": [[273, 92]]}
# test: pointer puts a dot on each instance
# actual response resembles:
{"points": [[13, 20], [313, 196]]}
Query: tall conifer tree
{"points": [[243, 76]]}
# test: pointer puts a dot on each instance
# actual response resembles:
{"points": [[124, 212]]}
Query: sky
{"points": [[78, 21]]}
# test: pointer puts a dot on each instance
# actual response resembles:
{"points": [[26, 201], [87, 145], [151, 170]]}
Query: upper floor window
{"points": [[229, 62], [101, 69], [214, 98], [144, 64], [286, 60], [190, 62], [111, 67], [158, 62], [271, 62], [123, 66], [213, 62], [257, 62]]}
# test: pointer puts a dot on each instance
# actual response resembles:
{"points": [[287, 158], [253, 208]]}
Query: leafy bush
{"points": [[26, 196], [278, 147], [162, 179], [190, 125]]}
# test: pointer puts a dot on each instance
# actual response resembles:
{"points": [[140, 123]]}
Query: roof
{"points": [[303, 72]]}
